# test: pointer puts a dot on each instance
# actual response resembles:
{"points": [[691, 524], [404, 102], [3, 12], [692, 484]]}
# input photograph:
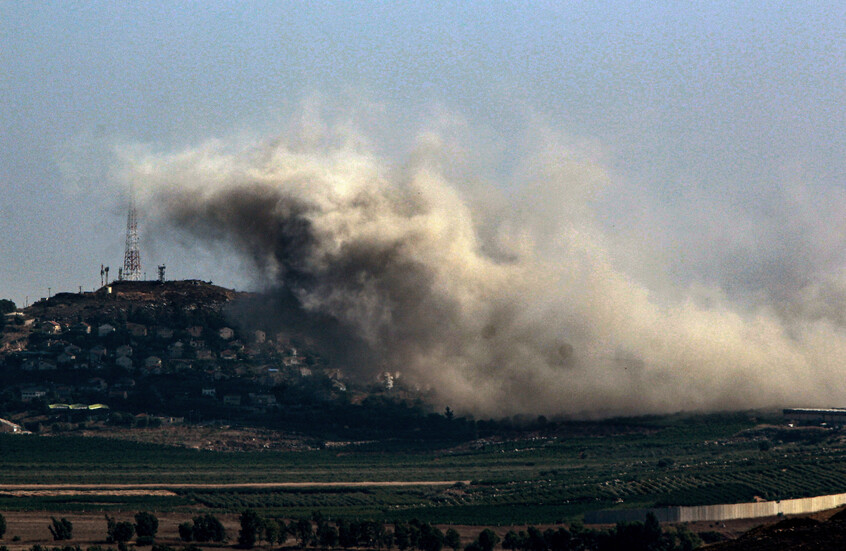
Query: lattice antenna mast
{"points": [[132, 256]]}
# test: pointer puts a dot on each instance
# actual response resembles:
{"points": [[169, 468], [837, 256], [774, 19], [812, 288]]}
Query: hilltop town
{"points": [[151, 353]]}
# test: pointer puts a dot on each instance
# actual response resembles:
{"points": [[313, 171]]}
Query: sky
{"points": [[656, 184], [703, 110]]}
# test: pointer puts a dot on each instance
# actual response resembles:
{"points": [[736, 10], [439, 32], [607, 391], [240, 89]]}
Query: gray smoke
{"points": [[495, 306]]}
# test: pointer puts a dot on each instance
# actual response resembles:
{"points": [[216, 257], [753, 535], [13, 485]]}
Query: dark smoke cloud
{"points": [[496, 307]]}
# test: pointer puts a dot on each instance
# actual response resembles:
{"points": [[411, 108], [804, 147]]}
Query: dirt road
{"points": [[156, 489]]}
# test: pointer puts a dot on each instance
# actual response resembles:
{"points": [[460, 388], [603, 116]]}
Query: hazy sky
{"points": [[720, 123]]}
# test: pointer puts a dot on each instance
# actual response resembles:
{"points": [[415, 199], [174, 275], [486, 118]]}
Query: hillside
{"points": [[115, 299], [186, 352]]}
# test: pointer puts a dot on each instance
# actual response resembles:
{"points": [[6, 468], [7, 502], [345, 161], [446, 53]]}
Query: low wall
{"points": [[730, 511]]}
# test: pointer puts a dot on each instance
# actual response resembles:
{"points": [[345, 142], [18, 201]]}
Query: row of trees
{"points": [[632, 536], [146, 526], [317, 531]]}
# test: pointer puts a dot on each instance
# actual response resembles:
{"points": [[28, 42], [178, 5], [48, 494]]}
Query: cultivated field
{"points": [[541, 477]]}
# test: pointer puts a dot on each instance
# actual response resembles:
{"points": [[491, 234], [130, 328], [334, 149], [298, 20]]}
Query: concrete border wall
{"points": [[731, 511]]}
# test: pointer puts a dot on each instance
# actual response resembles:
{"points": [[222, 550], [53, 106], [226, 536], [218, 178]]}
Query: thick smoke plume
{"points": [[495, 306]]}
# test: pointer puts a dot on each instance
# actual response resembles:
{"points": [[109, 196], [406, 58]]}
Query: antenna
{"points": [[132, 256], [162, 273]]}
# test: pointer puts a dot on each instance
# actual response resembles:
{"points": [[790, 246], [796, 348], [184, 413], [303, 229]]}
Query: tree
{"points": [[452, 539], [401, 536], [327, 536], [123, 532], [251, 525], [512, 541], [146, 526], [302, 530], [558, 540], [273, 531], [687, 540], [2, 525], [535, 540], [488, 539], [208, 528], [61, 529], [7, 306], [186, 531], [431, 538]]}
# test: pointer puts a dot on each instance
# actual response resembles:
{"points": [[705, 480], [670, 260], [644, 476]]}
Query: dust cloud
{"points": [[496, 299]]}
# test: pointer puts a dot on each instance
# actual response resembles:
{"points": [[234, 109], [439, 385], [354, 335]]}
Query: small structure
{"points": [[226, 333], [264, 400], [176, 349], [136, 329], [32, 392], [97, 353], [81, 328], [51, 327], [831, 416]]}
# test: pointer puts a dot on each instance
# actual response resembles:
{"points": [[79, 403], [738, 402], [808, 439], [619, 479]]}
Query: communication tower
{"points": [[132, 256]]}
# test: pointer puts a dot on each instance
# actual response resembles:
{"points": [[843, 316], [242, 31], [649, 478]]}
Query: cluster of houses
{"points": [[115, 353]]}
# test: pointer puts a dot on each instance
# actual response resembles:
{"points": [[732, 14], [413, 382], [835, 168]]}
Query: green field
{"points": [[541, 477]]}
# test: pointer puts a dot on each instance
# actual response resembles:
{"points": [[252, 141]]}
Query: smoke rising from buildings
{"points": [[496, 302]]}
